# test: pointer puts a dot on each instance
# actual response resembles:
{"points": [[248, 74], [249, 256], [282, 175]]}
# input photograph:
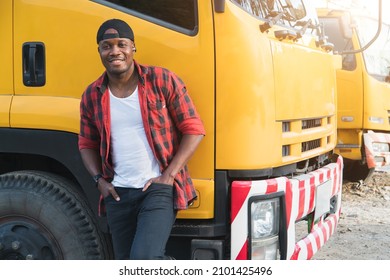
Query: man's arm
{"points": [[188, 145], [92, 162]]}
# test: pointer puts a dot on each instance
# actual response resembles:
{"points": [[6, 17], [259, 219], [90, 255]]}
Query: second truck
{"points": [[363, 87]]}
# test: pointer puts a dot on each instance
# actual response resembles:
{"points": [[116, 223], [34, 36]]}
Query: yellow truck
{"points": [[263, 78], [363, 86]]}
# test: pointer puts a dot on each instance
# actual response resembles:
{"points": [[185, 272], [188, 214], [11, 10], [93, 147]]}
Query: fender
{"points": [[59, 146]]}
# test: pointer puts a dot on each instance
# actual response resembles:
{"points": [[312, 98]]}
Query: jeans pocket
{"points": [[161, 189]]}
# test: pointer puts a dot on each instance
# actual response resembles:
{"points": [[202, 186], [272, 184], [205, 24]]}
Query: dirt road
{"points": [[363, 232]]}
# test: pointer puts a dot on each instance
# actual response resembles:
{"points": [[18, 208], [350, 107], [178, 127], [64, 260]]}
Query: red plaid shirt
{"points": [[167, 113]]}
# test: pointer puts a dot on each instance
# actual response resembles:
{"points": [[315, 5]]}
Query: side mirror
{"points": [[294, 8]]}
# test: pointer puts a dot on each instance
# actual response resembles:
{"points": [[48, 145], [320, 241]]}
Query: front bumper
{"points": [[305, 196]]}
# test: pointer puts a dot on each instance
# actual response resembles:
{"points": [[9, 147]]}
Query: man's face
{"points": [[116, 54]]}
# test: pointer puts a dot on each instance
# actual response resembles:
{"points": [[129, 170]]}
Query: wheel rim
{"points": [[23, 238]]}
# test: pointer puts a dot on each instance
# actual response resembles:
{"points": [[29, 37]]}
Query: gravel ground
{"points": [[363, 232]]}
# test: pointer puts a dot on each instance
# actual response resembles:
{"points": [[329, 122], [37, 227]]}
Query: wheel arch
{"points": [[50, 151]]}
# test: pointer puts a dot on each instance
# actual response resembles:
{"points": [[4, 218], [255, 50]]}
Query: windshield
{"points": [[293, 10], [297, 14], [377, 56]]}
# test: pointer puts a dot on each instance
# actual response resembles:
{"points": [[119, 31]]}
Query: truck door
{"points": [[178, 35], [55, 59], [6, 76]]}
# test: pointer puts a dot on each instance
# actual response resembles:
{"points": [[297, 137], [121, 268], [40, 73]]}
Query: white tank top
{"points": [[133, 160]]}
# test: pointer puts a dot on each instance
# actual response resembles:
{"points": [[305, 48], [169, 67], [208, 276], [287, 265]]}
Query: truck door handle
{"points": [[34, 65]]}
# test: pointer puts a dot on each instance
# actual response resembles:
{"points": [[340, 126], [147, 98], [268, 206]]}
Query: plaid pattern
{"points": [[167, 112]]}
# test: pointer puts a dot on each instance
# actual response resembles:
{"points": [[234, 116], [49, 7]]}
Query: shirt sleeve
{"points": [[182, 109], [88, 136]]}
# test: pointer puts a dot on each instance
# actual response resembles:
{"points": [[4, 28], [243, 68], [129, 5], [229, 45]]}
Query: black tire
{"points": [[355, 171], [42, 216]]}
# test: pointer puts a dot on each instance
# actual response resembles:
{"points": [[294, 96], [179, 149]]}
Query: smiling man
{"points": [[138, 129]]}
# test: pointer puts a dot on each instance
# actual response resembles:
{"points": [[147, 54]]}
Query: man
{"points": [[138, 130]]}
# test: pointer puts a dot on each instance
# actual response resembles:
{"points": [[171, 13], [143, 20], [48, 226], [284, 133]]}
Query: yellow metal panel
{"points": [[304, 82], [5, 101], [350, 87], [244, 109], [376, 104], [6, 55], [46, 112], [349, 143], [68, 31], [203, 206]]}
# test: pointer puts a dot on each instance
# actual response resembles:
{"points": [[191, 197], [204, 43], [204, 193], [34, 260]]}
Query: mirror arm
{"points": [[303, 29], [274, 18], [323, 40]]}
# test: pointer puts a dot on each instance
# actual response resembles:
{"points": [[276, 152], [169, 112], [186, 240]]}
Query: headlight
{"points": [[377, 120], [264, 228], [265, 220], [380, 147]]}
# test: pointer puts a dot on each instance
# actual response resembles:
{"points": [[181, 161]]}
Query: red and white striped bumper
{"points": [[369, 139], [300, 198]]}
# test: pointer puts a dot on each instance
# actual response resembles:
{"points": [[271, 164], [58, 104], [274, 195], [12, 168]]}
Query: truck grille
{"points": [[306, 124], [301, 136], [311, 145]]}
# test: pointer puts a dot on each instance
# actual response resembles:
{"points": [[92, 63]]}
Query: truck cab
{"points": [[363, 89]]}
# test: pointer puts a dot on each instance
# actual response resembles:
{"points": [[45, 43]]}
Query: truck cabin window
{"points": [[292, 10], [177, 15]]}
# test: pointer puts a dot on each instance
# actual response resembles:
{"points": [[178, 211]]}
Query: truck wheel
{"points": [[42, 216], [355, 171]]}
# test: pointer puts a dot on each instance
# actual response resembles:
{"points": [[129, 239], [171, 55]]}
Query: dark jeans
{"points": [[141, 222]]}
